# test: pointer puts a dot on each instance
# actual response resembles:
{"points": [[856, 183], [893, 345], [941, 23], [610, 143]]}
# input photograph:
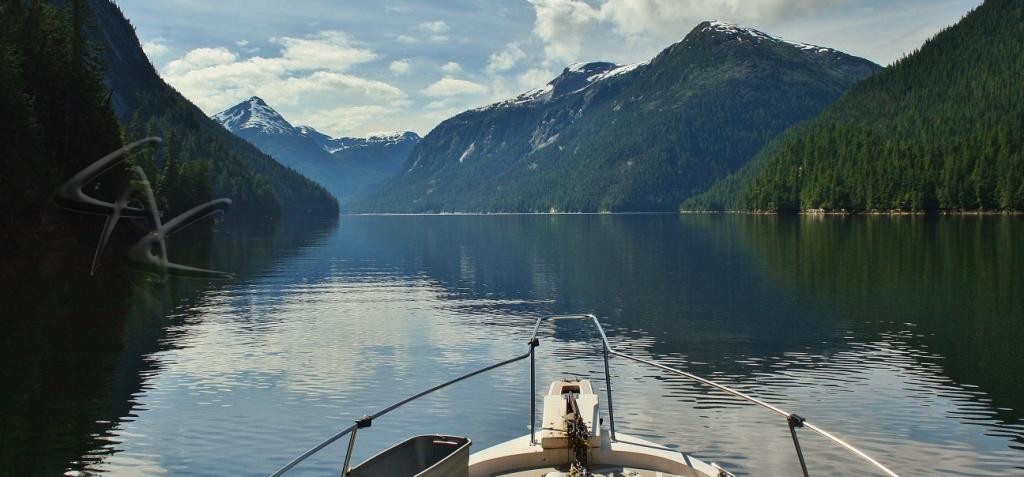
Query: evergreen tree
{"points": [[941, 129]]}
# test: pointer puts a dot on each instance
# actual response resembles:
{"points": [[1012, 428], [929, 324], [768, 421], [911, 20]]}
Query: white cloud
{"points": [[501, 90], [155, 48], [207, 68], [294, 89], [562, 26], [439, 104], [535, 78], [449, 86], [505, 59], [308, 75], [451, 68], [200, 58], [575, 30], [397, 8], [435, 31], [400, 67], [350, 118], [329, 49], [436, 27], [507, 48]]}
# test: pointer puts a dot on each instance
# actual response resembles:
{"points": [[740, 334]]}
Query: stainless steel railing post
{"points": [[533, 392], [361, 423], [608, 387], [606, 349], [366, 421], [793, 419], [348, 453], [796, 421], [763, 404]]}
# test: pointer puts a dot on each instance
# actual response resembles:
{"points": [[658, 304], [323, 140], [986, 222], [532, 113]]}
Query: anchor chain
{"points": [[579, 441]]}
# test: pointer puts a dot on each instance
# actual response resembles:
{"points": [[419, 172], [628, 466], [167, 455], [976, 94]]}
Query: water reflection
{"points": [[901, 334], [950, 288], [79, 349]]}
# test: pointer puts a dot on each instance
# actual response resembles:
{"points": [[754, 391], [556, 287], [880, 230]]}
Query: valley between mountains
{"points": [[729, 118]]}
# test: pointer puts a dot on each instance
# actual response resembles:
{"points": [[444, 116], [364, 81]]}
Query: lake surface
{"points": [[902, 334]]}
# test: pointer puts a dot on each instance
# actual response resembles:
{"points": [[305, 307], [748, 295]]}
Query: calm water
{"points": [[902, 334]]}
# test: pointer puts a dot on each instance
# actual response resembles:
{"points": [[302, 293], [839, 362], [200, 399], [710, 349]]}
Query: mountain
{"points": [[640, 137], [381, 155], [226, 165], [348, 167], [941, 129]]}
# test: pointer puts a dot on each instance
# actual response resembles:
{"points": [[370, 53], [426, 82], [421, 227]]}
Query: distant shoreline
{"points": [[507, 213], [713, 212], [817, 212]]}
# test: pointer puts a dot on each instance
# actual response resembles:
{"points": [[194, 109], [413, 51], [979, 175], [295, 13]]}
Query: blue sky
{"points": [[357, 67]]}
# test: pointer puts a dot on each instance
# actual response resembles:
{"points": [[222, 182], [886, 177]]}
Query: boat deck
{"points": [[600, 471], [627, 457]]}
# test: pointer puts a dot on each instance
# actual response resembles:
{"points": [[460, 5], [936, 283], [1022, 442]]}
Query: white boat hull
{"points": [[627, 456]]}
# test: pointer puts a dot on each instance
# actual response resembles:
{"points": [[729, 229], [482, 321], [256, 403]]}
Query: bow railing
{"points": [[793, 420]]}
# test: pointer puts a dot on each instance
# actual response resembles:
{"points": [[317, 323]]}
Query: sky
{"points": [[354, 68]]}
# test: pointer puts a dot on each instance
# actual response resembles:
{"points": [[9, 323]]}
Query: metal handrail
{"points": [[367, 420], [794, 421]]}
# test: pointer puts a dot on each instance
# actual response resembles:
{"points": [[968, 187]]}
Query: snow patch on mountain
{"points": [[576, 67], [536, 95], [254, 113], [391, 137], [468, 152], [732, 28], [309, 131], [574, 79], [617, 71]]}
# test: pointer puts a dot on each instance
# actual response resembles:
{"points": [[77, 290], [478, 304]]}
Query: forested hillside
{"points": [[59, 116], [347, 167], [942, 129], [56, 121], [208, 159], [602, 137]]}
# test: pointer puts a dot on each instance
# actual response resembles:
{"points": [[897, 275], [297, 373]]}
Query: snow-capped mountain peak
{"points": [[718, 26], [383, 139], [390, 137], [254, 117], [578, 77], [346, 167], [308, 131], [573, 79], [255, 114], [316, 136]]}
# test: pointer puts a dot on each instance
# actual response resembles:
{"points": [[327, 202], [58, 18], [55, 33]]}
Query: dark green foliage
{"points": [[640, 141], [942, 129], [60, 116], [956, 280], [727, 193], [56, 121]]}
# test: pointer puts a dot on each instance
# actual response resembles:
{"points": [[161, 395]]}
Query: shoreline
{"points": [[810, 213], [820, 212]]}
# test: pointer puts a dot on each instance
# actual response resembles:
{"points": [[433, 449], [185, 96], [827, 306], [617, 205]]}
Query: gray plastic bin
{"points": [[420, 456]]}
